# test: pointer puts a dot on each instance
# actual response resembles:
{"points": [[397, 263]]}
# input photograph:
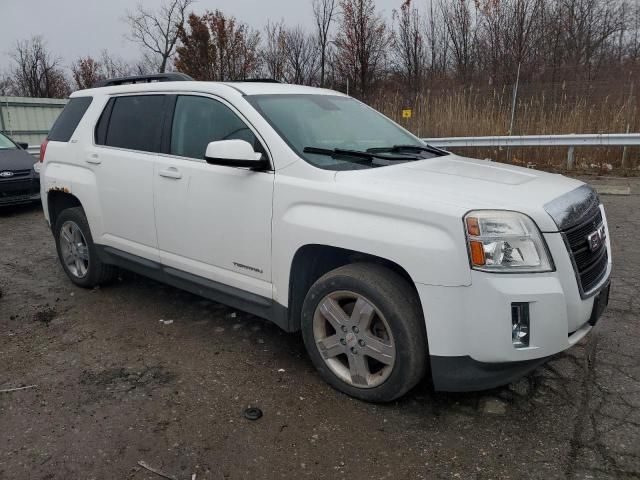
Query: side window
{"points": [[200, 120], [103, 123], [135, 123], [68, 120]]}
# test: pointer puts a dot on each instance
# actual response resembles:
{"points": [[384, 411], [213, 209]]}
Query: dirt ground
{"points": [[115, 385]]}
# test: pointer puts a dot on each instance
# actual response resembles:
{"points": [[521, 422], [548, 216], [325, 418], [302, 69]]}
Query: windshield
{"points": [[310, 123], [6, 144]]}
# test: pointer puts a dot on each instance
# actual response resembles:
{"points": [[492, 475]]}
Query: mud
{"points": [[116, 386]]}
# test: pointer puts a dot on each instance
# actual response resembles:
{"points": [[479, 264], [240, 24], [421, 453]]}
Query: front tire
{"points": [[77, 252], [364, 330]]}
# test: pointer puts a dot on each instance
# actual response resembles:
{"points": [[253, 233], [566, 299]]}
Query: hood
{"points": [[15, 160], [468, 184]]}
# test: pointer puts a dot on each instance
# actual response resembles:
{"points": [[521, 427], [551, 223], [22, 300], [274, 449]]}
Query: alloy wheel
{"points": [[74, 249], [354, 339]]}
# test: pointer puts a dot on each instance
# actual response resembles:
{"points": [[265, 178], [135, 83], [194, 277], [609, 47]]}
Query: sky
{"points": [[74, 28]]}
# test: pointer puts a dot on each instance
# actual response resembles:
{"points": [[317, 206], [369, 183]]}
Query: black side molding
{"points": [[249, 302]]}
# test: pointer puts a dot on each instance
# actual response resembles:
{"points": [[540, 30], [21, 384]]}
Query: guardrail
{"points": [[572, 141]]}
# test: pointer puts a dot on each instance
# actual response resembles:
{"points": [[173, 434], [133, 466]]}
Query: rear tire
{"points": [[77, 252], [363, 327]]}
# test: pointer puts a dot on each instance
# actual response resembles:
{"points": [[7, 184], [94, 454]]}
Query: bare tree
{"points": [[460, 21], [301, 53], [37, 73], [324, 12], [589, 26], [361, 44], [157, 31], [273, 53], [436, 37], [409, 46], [510, 33]]}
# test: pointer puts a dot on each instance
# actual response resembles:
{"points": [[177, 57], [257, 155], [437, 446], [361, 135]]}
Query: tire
{"points": [[382, 353], [82, 264]]}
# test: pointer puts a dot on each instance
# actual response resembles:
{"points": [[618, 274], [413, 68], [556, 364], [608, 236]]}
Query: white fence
{"points": [[570, 141], [28, 119]]}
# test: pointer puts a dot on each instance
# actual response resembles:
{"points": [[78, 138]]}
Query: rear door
{"points": [[212, 221], [128, 137]]}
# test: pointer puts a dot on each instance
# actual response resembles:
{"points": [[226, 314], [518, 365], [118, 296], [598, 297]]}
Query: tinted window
{"points": [[136, 123], [103, 123], [200, 120], [69, 119]]}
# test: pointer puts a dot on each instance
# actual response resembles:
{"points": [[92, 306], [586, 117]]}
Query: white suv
{"points": [[310, 209]]}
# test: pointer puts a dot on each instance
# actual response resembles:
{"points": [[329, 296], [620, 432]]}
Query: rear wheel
{"points": [[77, 252], [364, 331]]}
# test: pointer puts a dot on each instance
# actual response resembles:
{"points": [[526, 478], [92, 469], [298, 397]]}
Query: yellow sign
{"points": [[407, 113]]}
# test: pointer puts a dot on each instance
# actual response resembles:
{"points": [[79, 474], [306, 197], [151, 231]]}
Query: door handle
{"points": [[94, 158], [170, 173]]}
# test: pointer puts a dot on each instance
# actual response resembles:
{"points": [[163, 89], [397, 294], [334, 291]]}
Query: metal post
{"points": [[624, 154], [571, 158], [513, 110], [1, 119], [514, 101]]}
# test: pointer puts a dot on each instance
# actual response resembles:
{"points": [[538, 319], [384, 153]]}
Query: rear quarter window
{"points": [[68, 120]]}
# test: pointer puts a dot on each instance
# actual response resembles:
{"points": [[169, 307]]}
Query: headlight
{"points": [[503, 241], [36, 167]]}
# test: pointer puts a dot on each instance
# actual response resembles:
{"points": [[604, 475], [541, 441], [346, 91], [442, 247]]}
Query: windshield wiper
{"points": [[409, 148], [369, 154]]}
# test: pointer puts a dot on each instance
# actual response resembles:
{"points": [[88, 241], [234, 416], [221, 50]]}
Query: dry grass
{"points": [[541, 109]]}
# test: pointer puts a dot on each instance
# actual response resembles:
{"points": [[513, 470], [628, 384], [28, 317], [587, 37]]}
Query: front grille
{"points": [[590, 266], [19, 173], [21, 187], [15, 184]]}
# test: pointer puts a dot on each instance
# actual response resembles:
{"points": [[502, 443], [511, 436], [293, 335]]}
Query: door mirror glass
{"points": [[233, 153]]}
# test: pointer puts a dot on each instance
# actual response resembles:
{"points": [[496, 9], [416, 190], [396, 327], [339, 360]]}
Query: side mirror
{"points": [[23, 145], [234, 153]]}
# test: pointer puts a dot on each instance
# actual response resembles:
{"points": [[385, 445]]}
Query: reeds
{"points": [[562, 108]]}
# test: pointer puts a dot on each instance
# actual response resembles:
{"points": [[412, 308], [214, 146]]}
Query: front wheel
{"points": [[363, 328], [77, 252]]}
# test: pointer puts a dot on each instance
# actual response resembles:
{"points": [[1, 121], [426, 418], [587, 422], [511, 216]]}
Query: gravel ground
{"points": [[138, 371]]}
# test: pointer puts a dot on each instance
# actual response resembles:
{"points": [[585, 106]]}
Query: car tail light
{"points": [[43, 149]]}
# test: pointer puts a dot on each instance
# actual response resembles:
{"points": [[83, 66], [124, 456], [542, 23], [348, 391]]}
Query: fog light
{"points": [[520, 331]]}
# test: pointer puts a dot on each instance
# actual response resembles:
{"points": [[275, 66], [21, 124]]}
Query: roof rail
{"points": [[158, 77], [259, 80]]}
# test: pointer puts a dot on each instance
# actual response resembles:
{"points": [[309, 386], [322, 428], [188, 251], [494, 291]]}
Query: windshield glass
{"points": [[6, 144], [331, 122]]}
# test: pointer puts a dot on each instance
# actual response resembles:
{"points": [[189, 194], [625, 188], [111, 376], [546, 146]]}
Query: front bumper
{"points": [[19, 191], [464, 374], [469, 327]]}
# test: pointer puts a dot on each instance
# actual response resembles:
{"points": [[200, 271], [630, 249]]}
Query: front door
{"points": [[212, 221]]}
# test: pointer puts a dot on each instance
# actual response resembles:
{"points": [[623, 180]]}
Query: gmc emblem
{"points": [[596, 239]]}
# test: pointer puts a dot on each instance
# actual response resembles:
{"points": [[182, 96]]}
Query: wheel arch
{"points": [[59, 200], [312, 261]]}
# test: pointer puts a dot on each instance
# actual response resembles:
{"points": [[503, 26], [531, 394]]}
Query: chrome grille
{"points": [[590, 266], [20, 173]]}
